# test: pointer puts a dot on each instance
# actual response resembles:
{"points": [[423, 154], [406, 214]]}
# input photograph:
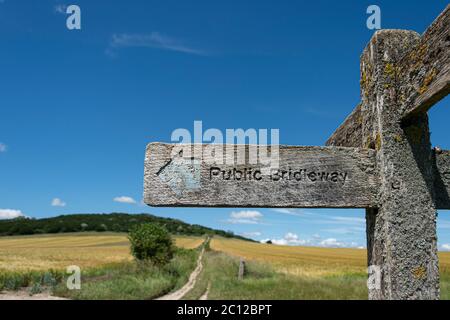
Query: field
{"points": [[324, 272], [131, 280], [306, 261], [86, 250], [108, 269], [262, 281], [109, 272], [301, 261]]}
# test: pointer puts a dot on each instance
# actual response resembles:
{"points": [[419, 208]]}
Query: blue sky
{"points": [[77, 108]]}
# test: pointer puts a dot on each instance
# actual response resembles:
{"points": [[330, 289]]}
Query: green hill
{"points": [[113, 222]]}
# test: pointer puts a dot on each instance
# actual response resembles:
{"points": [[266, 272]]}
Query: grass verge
{"points": [[118, 281], [133, 280], [261, 281], [35, 281], [445, 285]]}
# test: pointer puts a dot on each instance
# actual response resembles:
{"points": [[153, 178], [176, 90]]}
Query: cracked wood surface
{"points": [[442, 179], [424, 74], [330, 177]]}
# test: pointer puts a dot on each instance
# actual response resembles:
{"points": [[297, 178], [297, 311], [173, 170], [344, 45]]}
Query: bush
{"points": [[151, 242]]}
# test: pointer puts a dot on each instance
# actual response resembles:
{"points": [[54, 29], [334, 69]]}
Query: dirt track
{"points": [[205, 295], [24, 295], [178, 295]]}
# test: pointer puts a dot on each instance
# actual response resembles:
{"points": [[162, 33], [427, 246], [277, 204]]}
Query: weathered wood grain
{"points": [[349, 133], [425, 70], [241, 270], [442, 179], [418, 80], [401, 233], [329, 177]]}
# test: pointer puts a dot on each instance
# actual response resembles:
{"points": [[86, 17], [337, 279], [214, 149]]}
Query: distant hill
{"points": [[115, 222]]}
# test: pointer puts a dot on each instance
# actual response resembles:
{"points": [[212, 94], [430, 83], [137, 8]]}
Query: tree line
{"points": [[112, 222]]}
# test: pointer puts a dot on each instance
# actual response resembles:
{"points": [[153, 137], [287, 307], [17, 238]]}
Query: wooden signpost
{"points": [[325, 177], [380, 159]]}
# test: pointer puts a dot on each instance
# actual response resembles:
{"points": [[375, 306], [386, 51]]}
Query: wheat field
{"points": [[44, 252], [305, 261]]}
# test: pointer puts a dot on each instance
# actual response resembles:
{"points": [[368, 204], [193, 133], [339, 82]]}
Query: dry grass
{"points": [[444, 262], [87, 250], [188, 242], [305, 261]]}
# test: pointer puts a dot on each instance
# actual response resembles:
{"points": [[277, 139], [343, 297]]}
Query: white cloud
{"points": [[289, 239], [332, 243], [445, 247], [348, 230], [287, 211], [245, 217], [292, 239], [242, 221], [125, 199], [252, 234], [57, 202], [357, 220], [291, 236], [10, 214], [60, 8], [291, 212], [443, 224], [152, 40], [3, 146], [280, 242], [246, 214]]}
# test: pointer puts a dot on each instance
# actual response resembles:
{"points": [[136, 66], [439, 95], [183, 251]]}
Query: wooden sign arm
{"points": [[423, 75]]}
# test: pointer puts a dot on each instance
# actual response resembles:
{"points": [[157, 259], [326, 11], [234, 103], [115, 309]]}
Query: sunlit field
{"points": [[272, 272], [87, 250], [306, 261], [188, 242], [303, 261]]}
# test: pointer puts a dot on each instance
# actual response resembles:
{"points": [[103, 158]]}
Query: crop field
{"points": [[306, 261], [272, 272], [87, 250], [310, 273], [301, 261]]}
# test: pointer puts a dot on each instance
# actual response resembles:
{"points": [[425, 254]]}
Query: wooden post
{"points": [[380, 159], [402, 232], [241, 269], [402, 76]]}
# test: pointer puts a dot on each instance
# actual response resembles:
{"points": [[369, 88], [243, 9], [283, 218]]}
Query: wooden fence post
{"points": [[241, 269]]}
